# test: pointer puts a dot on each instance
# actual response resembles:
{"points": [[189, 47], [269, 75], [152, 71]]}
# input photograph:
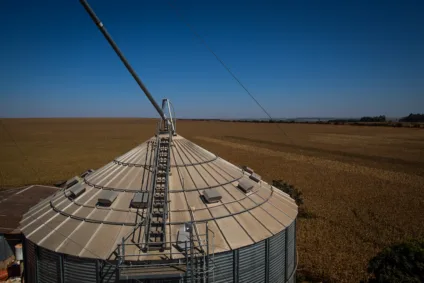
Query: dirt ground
{"points": [[364, 184]]}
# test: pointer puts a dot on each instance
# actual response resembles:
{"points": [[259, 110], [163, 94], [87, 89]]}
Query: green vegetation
{"points": [[400, 263], [413, 118], [296, 195], [290, 190]]}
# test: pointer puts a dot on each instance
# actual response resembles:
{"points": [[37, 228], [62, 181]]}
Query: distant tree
{"points": [[342, 121], [380, 118], [413, 118], [399, 263]]}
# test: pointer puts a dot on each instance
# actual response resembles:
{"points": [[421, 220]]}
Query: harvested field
{"points": [[364, 184]]}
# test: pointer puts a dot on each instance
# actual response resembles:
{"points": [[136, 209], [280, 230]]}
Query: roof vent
{"points": [[248, 169], [211, 195], [140, 200], [86, 173], [106, 198], [255, 177], [76, 190], [245, 185], [72, 182]]}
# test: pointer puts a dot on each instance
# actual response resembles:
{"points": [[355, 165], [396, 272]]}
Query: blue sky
{"points": [[299, 58]]}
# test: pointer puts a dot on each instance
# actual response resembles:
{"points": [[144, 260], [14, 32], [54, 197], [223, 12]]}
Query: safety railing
{"points": [[193, 258]]}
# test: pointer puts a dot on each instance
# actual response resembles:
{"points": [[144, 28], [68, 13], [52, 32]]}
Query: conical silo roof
{"points": [[78, 224]]}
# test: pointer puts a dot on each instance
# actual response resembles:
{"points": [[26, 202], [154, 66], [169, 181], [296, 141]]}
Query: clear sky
{"points": [[299, 58]]}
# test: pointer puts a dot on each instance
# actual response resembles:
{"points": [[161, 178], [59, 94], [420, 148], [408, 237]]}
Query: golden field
{"points": [[364, 184]]}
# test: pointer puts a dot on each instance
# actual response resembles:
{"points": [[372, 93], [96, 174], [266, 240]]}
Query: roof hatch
{"points": [[76, 190], [245, 185], [86, 173], [211, 195], [255, 177], [106, 198], [248, 169], [140, 200], [72, 182]]}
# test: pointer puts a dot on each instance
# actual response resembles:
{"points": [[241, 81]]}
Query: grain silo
{"points": [[166, 211]]}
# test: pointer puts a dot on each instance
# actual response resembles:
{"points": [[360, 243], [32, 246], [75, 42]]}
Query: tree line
{"points": [[411, 118]]}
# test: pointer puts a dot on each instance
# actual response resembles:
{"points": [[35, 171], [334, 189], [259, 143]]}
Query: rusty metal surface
{"points": [[14, 203]]}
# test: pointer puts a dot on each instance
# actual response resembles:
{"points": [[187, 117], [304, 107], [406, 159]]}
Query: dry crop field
{"points": [[364, 184]]}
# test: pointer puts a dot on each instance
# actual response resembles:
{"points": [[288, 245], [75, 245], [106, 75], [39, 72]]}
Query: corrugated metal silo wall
{"points": [[252, 260], [48, 267], [271, 260], [291, 249], [79, 270], [277, 258], [223, 267], [30, 262]]}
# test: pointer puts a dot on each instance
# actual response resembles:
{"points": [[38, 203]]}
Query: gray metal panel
{"points": [[290, 258], [252, 263], [291, 248], [291, 231], [31, 260], [5, 250], [223, 267], [79, 270], [277, 257], [48, 266]]}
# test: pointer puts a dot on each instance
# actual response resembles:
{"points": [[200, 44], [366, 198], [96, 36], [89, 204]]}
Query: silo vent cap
{"points": [[248, 169], [72, 182], [255, 177], [106, 198], [211, 195], [76, 190], [245, 185], [140, 200]]}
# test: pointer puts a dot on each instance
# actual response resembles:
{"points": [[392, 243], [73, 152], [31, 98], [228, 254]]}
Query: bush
{"points": [[297, 196], [400, 263], [290, 190]]}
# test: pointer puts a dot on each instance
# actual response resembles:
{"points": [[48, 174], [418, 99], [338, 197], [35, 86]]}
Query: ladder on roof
{"points": [[157, 213]]}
